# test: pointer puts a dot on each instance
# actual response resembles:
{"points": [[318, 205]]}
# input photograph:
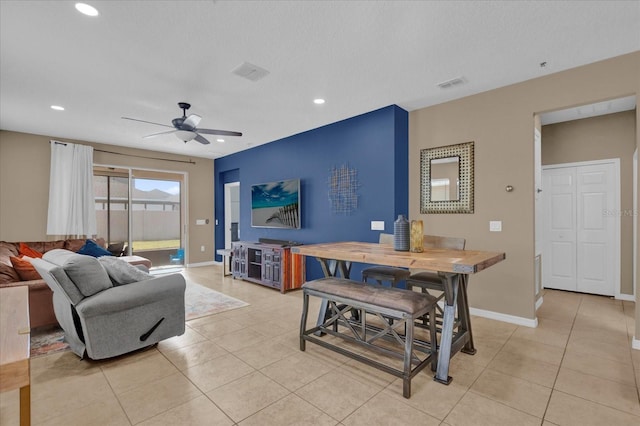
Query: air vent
{"points": [[250, 71], [453, 82]]}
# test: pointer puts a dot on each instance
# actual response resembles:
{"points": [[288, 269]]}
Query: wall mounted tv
{"points": [[276, 204]]}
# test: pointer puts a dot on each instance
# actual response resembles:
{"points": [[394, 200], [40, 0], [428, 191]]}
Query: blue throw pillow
{"points": [[91, 248]]}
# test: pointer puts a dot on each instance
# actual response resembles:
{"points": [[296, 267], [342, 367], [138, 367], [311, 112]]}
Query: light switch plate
{"points": [[377, 225], [495, 225]]}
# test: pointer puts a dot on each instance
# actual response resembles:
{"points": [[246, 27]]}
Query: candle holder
{"points": [[417, 236]]}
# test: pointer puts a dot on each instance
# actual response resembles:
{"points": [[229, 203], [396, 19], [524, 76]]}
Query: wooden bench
{"points": [[396, 309]]}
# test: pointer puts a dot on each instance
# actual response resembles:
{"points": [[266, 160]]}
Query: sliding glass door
{"points": [[142, 210], [156, 220], [112, 208]]}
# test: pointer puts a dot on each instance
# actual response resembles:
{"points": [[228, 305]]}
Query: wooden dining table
{"points": [[15, 346], [453, 266]]}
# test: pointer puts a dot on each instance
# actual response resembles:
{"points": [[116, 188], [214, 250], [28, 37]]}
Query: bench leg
{"points": [[303, 320], [408, 352]]}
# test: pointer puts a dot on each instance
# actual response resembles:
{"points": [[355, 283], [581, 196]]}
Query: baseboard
{"points": [[635, 344], [628, 297], [538, 303], [195, 265], [533, 323]]}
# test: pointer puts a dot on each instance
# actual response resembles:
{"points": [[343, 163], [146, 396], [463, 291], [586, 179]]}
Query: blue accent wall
{"points": [[375, 144]]}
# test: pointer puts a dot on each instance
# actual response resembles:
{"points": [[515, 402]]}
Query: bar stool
{"points": [[427, 280], [385, 273]]}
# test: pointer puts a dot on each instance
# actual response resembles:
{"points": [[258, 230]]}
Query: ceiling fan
{"points": [[186, 128]]}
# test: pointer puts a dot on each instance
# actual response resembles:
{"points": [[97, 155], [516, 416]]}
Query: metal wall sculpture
{"points": [[343, 185]]}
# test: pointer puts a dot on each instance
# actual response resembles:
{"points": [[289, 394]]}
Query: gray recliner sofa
{"points": [[107, 307]]}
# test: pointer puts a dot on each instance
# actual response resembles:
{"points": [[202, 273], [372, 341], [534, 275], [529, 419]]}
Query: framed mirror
{"points": [[446, 179]]}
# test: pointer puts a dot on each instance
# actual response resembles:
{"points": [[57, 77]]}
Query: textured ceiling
{"points": [[139, 58]]}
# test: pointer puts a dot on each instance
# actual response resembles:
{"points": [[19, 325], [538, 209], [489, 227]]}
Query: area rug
{"points": [[47, 340], [199, 302]]}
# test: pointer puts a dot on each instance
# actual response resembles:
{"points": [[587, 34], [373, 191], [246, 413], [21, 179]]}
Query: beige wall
{"points": [[501, 123], [598, 138], [24, 187], [637, 216]]}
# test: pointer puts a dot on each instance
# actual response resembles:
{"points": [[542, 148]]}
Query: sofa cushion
{"points": [[121, 272], [74, 244], [92, 249], [25, 250], [8, 274], [25, 269], [57, 258], [50, 245], [87, 274], [116, 249], [8, 249]]}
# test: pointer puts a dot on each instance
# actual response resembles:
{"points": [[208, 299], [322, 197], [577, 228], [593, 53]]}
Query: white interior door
{"points": [[559, 268], [581, 228], [595, 228]]}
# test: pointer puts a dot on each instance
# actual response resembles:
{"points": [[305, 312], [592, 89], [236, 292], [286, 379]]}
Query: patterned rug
{"points": [[199, 302], [47, 340]]}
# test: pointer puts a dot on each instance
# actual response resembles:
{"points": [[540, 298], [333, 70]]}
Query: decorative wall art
{"points": [[343, 185], [446, 179]]}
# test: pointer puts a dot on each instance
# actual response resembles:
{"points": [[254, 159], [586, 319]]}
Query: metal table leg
{"points": [[448, 319], [464, 316]]}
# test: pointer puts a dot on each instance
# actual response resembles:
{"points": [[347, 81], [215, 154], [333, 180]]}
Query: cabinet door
{"points": [[276, 273], [267, 265], [239, 264]]}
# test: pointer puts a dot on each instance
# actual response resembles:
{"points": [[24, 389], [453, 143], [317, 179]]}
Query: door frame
{"points": [[615, 214], [227, 212], [635, 222]]}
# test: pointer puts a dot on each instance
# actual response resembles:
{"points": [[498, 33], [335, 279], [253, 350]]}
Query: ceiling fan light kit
{"points": [[186, 128], [185, 135]]}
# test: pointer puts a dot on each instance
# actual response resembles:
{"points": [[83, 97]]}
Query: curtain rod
{"points": [[133, 155]]}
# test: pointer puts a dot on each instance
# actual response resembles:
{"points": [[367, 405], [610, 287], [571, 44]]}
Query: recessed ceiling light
{"points": [[57, 107], [318, 101], [86, 9], [219, 140]]}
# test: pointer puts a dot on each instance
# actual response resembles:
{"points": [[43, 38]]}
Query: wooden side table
{"points": [[15, 346], [227, 255]]}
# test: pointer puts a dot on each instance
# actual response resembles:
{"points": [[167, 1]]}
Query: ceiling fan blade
{"points": [[218, 132], [191, 122], [202, 140], [144, 121], [159, 133]]}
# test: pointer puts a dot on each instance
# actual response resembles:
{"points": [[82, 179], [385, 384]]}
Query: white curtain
{"points": [[72, 209]]}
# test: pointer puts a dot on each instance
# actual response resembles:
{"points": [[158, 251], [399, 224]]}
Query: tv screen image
{"points": [[276, 204]]}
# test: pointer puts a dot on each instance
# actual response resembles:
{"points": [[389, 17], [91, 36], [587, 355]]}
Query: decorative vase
{"points": [[401, 234], [417, 236]]}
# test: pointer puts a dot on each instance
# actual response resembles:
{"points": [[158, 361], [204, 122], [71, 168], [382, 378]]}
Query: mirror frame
{"points": [[464, 203]]}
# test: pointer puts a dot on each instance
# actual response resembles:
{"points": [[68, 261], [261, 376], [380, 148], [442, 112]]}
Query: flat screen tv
{"points": [[276, 204]]}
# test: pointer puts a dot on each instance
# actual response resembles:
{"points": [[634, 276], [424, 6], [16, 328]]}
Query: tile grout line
{"points": [[564, 352]]}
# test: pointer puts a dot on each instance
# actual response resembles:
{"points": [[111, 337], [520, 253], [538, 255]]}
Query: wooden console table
{"points": [[15, 346], [271, 265], [453, 265]]}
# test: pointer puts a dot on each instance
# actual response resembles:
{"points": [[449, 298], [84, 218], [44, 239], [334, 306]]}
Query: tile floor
{"points": [[244, 367]]}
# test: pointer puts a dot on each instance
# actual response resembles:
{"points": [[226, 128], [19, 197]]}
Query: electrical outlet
{"points": [[202, 248]]}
